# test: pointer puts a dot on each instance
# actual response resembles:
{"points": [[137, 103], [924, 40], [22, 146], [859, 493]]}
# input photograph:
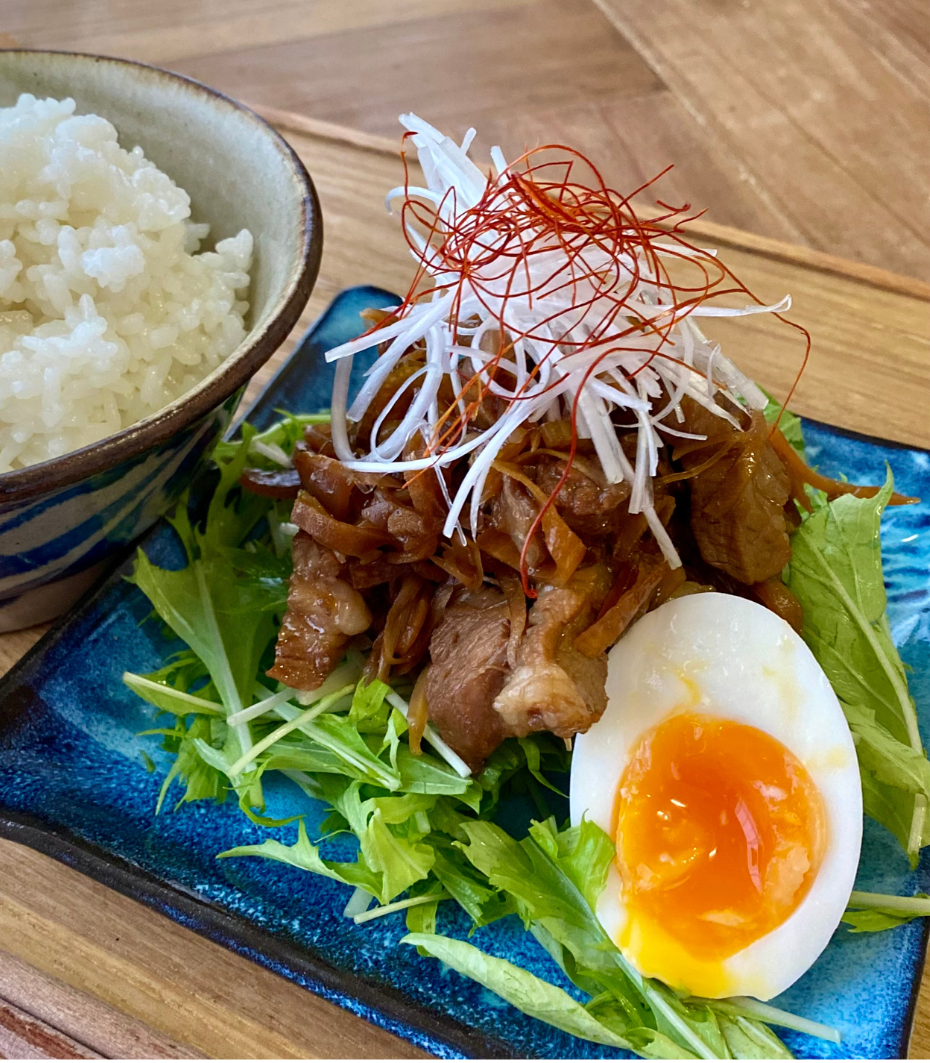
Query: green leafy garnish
{"points": [[836, 574], [869, 912], [553, 878], [168, 699], [869, 921], [530, 994], [305, 855], [281, 436], [225, 616]]}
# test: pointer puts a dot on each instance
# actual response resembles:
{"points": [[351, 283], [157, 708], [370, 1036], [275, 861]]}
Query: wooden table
{"points": [[804, 120], [84, 971]]}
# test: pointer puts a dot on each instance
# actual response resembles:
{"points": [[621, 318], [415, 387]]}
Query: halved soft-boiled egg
{"points": [[725, 772]]}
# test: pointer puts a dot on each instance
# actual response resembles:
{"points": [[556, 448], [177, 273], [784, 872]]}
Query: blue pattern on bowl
{"points": [[63, 533], [72, 783]]}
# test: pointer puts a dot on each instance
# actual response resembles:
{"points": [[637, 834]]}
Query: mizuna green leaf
{"points": [[524, 990], [305, 855], [168, 699], [836, 574], [546, 877], [870, 912]]}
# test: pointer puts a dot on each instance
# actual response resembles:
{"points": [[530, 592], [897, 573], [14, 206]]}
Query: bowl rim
{"points": [[228, 377]]}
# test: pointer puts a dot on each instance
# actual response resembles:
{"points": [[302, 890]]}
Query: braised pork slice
{"points": [[468, 650], [477, 697], [738, 501], [590, 506], [324, 612], [553, 687]]}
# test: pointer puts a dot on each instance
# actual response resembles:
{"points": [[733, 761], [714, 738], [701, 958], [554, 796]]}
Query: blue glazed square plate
{"points": [[74, 785]]}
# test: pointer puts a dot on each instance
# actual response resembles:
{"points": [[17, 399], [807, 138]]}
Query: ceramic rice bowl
{"points": [[63, 520]]}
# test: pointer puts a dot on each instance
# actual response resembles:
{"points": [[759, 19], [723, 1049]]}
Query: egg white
{"points": [[729, 657]]}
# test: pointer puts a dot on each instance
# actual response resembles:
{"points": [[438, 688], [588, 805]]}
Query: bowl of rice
{"points": [[158, 242]]}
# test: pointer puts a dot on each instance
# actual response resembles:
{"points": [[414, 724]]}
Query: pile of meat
{"points": [[370, 563]]}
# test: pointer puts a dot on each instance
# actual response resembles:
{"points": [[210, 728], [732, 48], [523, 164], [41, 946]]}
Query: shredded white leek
{"points": [[548, 376]]}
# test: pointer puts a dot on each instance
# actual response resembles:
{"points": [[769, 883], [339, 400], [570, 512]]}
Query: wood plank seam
{"points": [[292, 122], [755, 91], [103, 1029], [24, 1036], [628, 31]]}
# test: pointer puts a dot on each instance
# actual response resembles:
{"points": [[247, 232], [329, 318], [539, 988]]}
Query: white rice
{"points": [[107, 311]]}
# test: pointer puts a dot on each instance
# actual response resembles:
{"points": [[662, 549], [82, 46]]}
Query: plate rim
{"points": [[387, 1005]]}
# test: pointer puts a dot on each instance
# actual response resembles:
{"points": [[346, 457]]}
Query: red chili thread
{"points": [[535, 208]]}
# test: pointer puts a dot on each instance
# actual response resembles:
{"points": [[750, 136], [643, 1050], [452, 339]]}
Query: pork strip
{"points": [[553, 687], [738, 502], [468, 649], [324, 612]]}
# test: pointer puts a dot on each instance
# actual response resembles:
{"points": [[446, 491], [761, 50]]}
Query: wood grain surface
{"points": [[805, 120], [103, 959], [86, 1021]]}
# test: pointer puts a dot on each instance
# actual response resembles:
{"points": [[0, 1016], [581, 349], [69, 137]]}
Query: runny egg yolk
{"points": [[720, 833]]}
